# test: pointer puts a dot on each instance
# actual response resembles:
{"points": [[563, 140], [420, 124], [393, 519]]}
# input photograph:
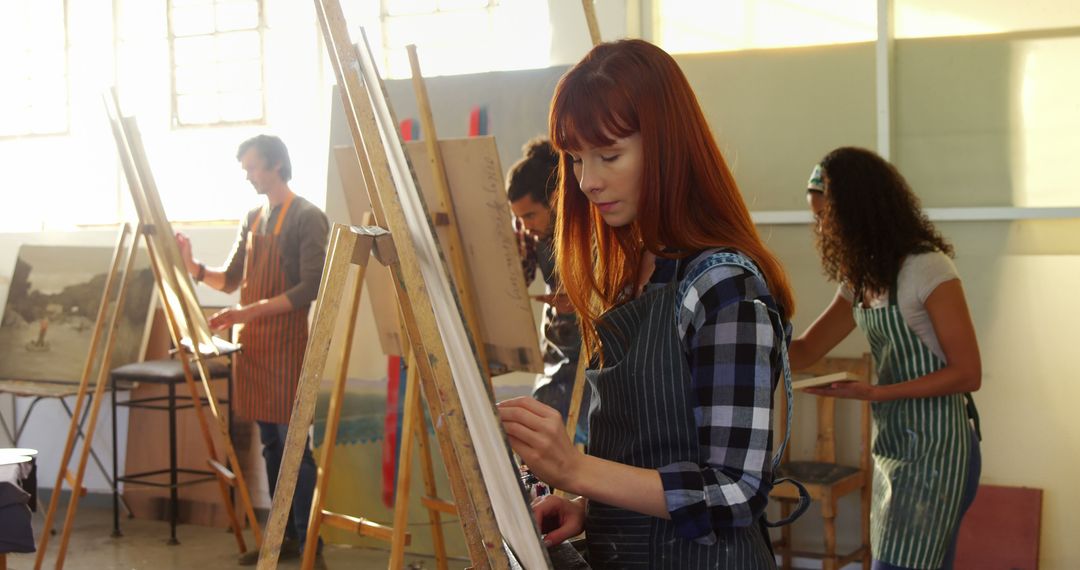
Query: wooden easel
{"points": [[415, 278], [413, 424], [352, 247], [413, 428], [186, 323], [578, 391], [124, 253]]}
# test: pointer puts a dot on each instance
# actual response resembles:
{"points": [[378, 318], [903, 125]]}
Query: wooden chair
{"points": [[824, 478]]}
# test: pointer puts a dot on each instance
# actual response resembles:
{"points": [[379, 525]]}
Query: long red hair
{"points": [[688, 202]]}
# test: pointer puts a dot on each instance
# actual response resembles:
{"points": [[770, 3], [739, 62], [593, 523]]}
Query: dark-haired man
{"points": [[531, 183], [276, 263]]}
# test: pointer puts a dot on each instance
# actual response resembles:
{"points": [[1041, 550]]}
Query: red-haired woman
{"points": [[899, 285], [686, 311]]}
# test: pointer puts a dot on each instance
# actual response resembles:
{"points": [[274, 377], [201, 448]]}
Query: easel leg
{"points": [[438, 540], [124, 247], [404, 473], [333, 420], [335, 273], [466, 510], [196, 404], [95, 406], [204, 426]]}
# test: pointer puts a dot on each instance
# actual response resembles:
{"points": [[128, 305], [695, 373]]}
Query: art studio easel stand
{"points": [[351, 247], [123, 255], [578, 391], [364, 115], [182, 315]]}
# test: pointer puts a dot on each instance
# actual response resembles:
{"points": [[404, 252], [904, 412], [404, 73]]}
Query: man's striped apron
{"points": [[268, 367]]}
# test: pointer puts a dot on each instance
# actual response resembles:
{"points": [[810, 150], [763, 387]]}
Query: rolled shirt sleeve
{"points": [[314, 231], [729, 342]]}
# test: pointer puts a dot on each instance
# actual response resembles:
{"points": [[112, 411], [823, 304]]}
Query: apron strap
{"points": [[729, 258], [280, 219], [973, 414], [804, 503]]}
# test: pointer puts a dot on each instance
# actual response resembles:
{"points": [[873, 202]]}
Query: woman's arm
{"points": [[831, 327], [962, 373], [538, 435]]}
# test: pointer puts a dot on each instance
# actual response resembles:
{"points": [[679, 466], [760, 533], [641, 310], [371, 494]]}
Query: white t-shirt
{"points": [[919, 275]]}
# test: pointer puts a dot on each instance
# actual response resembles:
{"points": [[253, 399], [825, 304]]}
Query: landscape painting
{"points": [[52, 304]]}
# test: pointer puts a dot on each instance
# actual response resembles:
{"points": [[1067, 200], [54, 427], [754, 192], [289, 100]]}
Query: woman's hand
{"points": [[559, 519], [538, 435], [847, 389]]}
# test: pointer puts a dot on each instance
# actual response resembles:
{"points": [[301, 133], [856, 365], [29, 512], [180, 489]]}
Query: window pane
{"points": [[44, 117], [932, 18], [449, 5], [139, 19], [468, 36], [15, 66], [192, 20], [239, 76], [241, 106], [194, 51], [689, 26], [195, 79], [402, 7], [45, 23], [239, 45], [33, 67], [237, 16], [196, 109], [15, 121]]}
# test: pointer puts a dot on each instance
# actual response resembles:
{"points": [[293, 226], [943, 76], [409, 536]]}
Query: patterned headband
{"points": [[817, 179]]}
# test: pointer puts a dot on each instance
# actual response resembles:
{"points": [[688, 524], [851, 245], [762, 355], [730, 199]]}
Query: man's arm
{"points": [[314, 231], [240, 314], [226, 278]]}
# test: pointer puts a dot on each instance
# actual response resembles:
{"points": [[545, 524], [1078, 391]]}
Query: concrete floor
{"points": [[143, 546]]}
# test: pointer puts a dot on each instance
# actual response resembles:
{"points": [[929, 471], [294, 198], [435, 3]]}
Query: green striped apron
{"points": [[921, 448]]}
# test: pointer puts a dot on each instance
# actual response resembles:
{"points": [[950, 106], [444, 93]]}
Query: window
{"points": [[33, 68], [686, 26], [463, 36], [216, 54]]}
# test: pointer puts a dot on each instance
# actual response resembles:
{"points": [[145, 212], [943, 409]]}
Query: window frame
{"points": [[67, 86], [174, 115], [385, 16]]}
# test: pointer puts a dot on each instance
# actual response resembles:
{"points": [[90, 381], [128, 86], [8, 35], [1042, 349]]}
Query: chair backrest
{"points": [[825, 445]]}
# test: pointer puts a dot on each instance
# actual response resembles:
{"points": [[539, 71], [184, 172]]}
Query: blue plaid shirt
{"points": [[729, 340]]}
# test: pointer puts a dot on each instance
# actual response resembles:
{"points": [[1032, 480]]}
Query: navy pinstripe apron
{"points": [[921, 448], [645, 419], [268, 368]]}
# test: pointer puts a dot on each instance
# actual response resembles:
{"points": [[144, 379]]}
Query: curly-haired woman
{"points": [[899, 285]]}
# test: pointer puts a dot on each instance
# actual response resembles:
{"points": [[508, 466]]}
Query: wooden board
{"points": [[824, 380], [476, 186], [178, 287], [1001, 530], [378, 281]]}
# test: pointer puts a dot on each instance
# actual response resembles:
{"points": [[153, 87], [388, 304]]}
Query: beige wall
{"points": [[979, 122]]}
